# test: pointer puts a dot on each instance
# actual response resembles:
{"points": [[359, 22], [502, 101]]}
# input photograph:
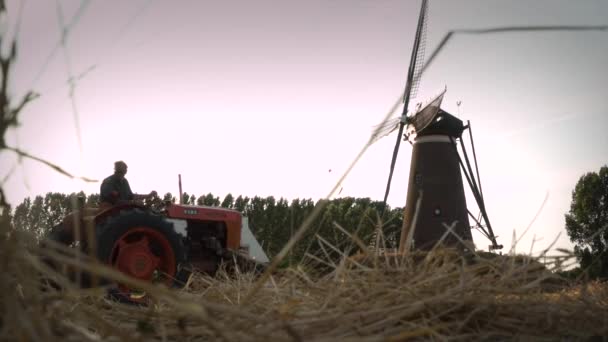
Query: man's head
{"points": [[120, 168]]}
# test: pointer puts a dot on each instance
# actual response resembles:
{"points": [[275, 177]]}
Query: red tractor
{"points": [[162, 241]]}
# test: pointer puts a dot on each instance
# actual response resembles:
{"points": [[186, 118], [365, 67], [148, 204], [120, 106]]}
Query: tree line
{"points": [[272, 221]]}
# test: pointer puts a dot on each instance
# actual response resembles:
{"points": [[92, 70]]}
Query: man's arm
{"points": [[143, 197], [137, 197], [107, 192], [127, 190]]}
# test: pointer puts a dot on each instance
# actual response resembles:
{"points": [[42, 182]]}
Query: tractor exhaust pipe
{"points": [[181, 195]]}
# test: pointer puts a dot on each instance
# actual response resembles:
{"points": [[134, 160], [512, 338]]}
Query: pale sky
{"points": [[265, 97]]}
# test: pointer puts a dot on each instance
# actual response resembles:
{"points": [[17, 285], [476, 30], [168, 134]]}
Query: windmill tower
{"points": [[435, 197]]}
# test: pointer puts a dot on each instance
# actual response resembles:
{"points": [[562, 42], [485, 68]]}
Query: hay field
{"points": [[439, 296]]}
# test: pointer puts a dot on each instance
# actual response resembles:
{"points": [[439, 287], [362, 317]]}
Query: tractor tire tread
{"points": [[115, 226]]}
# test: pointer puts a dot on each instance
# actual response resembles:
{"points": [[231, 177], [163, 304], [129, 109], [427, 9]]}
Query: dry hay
{"points": [[439, 297]]}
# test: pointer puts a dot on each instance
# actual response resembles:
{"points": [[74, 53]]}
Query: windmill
{"points": [[435, 209]]}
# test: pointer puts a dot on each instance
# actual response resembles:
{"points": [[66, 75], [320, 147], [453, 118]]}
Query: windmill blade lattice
{"points": [[419, 59], [416, 51], [411, 86]]}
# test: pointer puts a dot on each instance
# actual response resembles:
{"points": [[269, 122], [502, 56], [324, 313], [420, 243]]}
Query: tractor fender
{"points": [[106, 211]]}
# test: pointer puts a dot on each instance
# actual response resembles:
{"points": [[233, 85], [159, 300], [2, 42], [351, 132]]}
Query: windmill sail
{"points": [[419, 59], [385, 128], [416, 120], [409, 85], [425, 115]]}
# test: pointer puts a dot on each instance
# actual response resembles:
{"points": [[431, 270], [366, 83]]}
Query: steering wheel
{"points": [[155, 203]]}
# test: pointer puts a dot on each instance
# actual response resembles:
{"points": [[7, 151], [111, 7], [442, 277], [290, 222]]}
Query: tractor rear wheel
{"points": [[61, 236], [144, 246]]}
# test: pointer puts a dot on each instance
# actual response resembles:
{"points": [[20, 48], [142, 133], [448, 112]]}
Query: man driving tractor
{"points": [[115, 189]]}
